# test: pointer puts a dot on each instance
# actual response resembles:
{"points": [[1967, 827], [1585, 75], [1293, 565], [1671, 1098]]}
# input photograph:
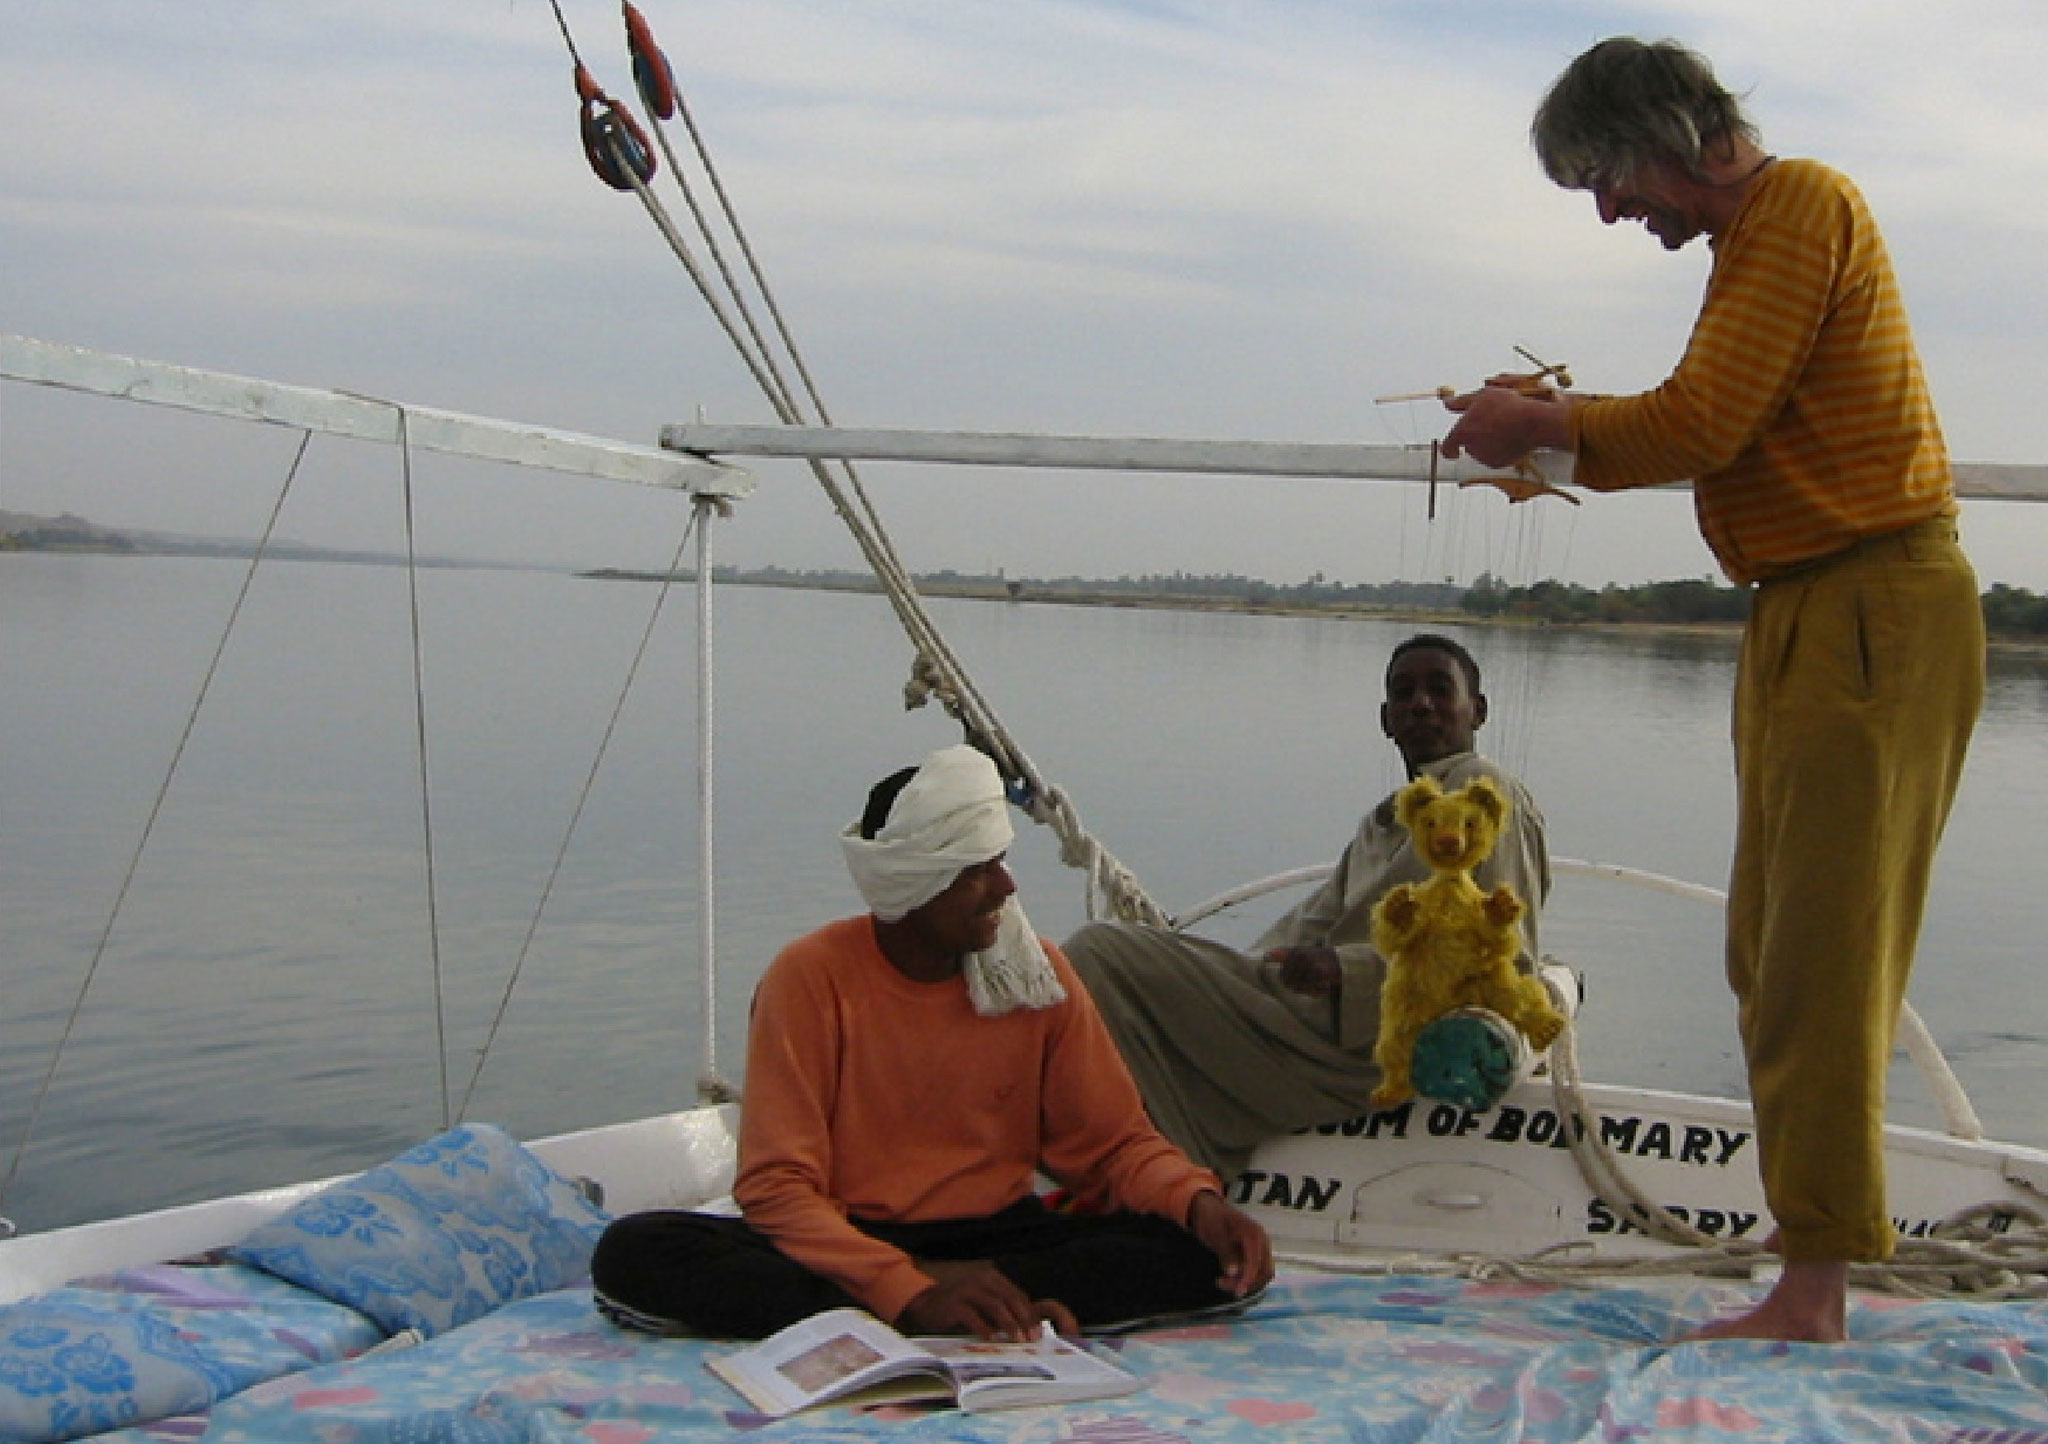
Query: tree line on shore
{"points": [[2012, 612], [2008, 611]]}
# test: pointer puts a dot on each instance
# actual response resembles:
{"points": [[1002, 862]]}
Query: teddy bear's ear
{"points": [[1410, 801], [1484, 795]]}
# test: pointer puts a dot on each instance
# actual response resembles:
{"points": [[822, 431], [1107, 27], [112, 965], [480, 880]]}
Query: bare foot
{"points": [[1809, 1304]]}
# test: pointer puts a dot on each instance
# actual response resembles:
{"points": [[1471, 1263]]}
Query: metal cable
{"points": [[937, 671], [547, 890], [419, 716]]}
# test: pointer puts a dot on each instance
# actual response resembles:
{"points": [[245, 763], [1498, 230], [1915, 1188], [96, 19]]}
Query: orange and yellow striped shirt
{"points": [[1799, 410]]}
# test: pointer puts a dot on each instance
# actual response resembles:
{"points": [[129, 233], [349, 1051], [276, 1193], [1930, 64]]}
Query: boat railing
{"points": [[1958, 1115], [1565, 866]]}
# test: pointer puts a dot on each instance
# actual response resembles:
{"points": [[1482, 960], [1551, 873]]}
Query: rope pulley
{"points": [[613, 142], [618, 151], [652, 74]]}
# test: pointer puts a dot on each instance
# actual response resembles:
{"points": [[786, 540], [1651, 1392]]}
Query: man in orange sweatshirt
{"points": [[909, 1071]]}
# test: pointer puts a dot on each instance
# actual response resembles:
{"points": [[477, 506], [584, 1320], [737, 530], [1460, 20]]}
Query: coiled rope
{"points": [[1988, 1251], [936, 670]]}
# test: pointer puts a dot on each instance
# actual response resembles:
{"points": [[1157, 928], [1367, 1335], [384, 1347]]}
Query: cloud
{"points": [[1169, 216]]}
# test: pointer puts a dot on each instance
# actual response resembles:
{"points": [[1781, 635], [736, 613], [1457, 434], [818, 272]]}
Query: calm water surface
{"points": [[266, 1006]]}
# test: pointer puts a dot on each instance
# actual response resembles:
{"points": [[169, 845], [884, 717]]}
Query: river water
{"points": [[268, 1001]]}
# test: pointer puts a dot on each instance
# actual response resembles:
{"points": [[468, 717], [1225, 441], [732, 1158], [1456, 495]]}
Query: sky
{"points": [[1190, 218]]}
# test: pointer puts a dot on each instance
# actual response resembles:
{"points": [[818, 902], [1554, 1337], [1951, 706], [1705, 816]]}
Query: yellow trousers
{"points": [[1860, 681]]}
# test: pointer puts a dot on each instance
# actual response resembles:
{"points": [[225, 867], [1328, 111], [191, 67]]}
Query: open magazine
{"points": [[850, 1356]]}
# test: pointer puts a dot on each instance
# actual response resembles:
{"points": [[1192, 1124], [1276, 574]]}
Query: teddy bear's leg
{"points": [[1394, 1053], [1531, 1010]]}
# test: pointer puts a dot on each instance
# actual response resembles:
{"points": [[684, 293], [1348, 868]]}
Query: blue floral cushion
{"points": [[442, 1234], [148, 1343]]}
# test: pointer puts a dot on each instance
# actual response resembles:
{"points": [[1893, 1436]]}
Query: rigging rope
{"points": [[937, 671], [156, 808], [419, 714], [611, 727]]}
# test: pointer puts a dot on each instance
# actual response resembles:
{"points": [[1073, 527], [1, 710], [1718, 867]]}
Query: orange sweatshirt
{"points": [[1799, 410], [892, 1100]]}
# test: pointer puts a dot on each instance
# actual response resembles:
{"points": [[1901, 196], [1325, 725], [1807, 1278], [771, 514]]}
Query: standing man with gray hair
{"points": [[1801, 416], [908, 1070]]}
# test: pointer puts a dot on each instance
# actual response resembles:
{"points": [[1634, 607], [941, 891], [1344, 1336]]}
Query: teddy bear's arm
{"points": [[1395, 919]]}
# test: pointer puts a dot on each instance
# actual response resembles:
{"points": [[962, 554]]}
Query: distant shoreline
{"points": [[1027, 594], [1079, 595], [72, 535], [1082, 596]]}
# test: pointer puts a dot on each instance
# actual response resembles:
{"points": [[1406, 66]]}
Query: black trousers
{"points": [[716, 1275]]}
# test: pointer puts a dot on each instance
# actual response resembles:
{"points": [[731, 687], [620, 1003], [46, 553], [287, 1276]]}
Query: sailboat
{"points": [[1506, 1272], [1562, 1190]]}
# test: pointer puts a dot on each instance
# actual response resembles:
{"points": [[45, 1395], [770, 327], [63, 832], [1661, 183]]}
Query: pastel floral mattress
{"points": [[1343, 1359], [442, 1298]]}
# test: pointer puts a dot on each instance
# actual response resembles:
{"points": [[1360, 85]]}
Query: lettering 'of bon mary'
{"points": [[1689, 1143]]}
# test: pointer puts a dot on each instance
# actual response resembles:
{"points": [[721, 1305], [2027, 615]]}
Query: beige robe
{"points": [[1224, 1054]]}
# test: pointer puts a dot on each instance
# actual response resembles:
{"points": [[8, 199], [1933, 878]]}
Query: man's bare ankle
{"points": [[1808, 1304]]}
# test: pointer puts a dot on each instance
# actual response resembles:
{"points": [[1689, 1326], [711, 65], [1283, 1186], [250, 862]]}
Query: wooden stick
{"points": [[1545, 370], [1442, 393]]}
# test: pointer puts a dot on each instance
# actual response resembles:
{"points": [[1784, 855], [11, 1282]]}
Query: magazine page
{"points": [[1046, 1370], [825, 1358]]}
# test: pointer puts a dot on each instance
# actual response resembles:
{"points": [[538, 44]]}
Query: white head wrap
{"points": [[952, 815]]}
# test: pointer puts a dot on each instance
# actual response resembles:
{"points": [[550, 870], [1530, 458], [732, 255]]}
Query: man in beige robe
{"points": [[1231, 1048]]}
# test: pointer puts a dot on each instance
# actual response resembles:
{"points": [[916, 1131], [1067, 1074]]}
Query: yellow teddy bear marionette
{"points": [[1447, 945]]}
